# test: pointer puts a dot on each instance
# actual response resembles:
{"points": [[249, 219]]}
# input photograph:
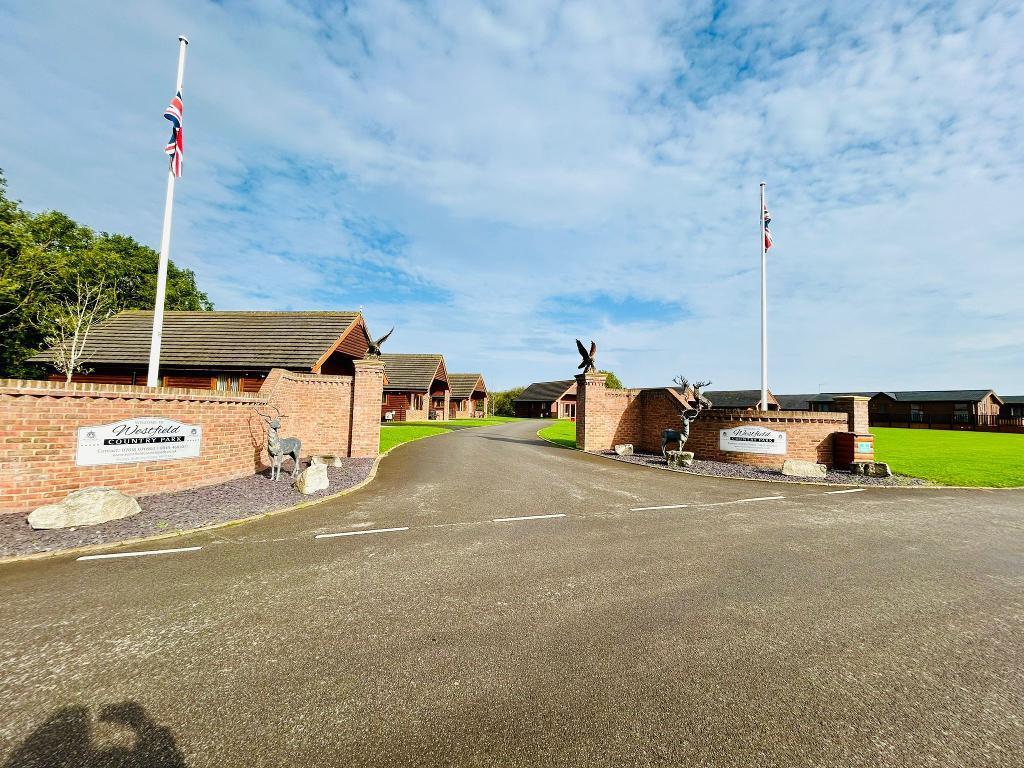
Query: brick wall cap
{"points": [[38, 388]]}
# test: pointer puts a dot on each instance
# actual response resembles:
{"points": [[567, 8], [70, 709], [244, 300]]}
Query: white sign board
{"points": [[752, 440], [135, 440]]}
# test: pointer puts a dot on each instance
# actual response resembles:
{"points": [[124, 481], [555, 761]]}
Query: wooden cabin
{"points": [[220, 350], [547, 400], [417, 388], [469, 395]]}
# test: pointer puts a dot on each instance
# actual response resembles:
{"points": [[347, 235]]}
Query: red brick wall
{"points": [[365, 424], [336, 415], [314, 408], [605, 417], [41, 421]]}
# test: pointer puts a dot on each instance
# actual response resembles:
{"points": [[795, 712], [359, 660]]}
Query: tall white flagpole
{"points": [[153, 375], [764, 311]]}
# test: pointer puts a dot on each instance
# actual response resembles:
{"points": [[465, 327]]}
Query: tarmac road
{"points": [[880, 627]]}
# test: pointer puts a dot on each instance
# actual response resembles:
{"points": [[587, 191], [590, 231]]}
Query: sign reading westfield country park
{"points": [[135, 440], [752, 440]]}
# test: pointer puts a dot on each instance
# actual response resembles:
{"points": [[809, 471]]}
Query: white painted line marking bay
{"points": [[848, 490], [761, 498], [139, 554], [360, 533], [526, 517]]}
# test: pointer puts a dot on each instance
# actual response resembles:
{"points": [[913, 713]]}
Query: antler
{"points": [[264, 416], [701, 384], [681, 382]]}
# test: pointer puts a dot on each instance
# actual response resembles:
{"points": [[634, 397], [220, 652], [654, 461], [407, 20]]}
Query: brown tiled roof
{"points": [[412, 373], [465, 384], [295, 340], [545, 391]]}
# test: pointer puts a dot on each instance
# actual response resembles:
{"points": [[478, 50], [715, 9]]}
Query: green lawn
{"points": [[953, 458], [562, 432], [407, 431]]}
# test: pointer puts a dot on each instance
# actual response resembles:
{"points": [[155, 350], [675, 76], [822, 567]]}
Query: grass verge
{"points": [[989, 459], [562, 432], [405, 432]]}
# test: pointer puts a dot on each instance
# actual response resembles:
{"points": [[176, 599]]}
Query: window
{"points": [[227, 383], [915, 412], [569, 410], [417, 402], [961, 413]]}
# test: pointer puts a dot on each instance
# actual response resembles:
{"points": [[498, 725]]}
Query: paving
{"points": [[637, 617]]}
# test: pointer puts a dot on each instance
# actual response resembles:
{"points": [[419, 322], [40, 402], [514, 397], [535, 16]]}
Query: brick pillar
{"points": [[447, 404], [367, 393], [487, 405], [590, 389], [856, 409]]}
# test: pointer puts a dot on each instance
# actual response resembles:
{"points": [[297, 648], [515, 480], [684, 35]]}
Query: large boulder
{"points": [[679, 459], [89, 506], [312, 479], [799, 468], [624, 449]]}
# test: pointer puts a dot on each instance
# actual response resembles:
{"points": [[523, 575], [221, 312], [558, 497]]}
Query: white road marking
{"points": [[359, 533], [848, 490], [139, 554], [667, 506], [526, 517], [761, 498]]}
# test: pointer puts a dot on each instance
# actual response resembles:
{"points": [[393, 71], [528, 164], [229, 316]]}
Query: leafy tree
{"points": [[613, 381], [48, 262], [501, 402]]}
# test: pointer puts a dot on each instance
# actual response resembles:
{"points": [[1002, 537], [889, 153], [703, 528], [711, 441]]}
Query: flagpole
{"points": [[764, 311], [153, 375]]}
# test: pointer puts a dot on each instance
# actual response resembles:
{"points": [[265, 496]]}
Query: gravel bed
{"points": [[723, 469], [180, 511]]}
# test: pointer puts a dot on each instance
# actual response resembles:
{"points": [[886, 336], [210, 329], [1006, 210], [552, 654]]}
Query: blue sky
{"points": [[497, 179]]}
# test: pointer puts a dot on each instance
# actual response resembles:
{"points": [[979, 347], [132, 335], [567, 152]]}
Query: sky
{"points": [[498, 179]]}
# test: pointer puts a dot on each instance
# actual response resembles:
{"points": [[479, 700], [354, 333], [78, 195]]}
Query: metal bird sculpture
{"points": [[373, 349], [589, 363]]}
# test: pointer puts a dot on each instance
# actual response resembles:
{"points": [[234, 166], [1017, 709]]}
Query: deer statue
{"points": [[680, 436], [279, 447]]}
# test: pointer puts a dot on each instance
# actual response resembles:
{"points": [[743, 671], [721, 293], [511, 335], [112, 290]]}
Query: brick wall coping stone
{"points": [[780, 417], [36, 388]]}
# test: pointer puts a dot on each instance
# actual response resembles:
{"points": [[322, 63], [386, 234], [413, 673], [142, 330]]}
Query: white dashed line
{"points": [[848, 490], [667, 506], [139, 554], [359, 533], [761, 498], [526, 517]]}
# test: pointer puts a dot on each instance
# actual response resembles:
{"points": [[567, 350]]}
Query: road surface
{"points": [[660, 619]]}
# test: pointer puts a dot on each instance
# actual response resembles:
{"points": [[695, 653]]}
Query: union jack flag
{"points": [[176, 144], [767, 234]]}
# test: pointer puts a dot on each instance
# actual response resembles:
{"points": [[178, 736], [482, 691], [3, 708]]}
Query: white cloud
{"points": [[454, 166]]}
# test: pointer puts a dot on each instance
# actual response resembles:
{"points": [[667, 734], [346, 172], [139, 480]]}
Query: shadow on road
{"points": [[65, 741]]}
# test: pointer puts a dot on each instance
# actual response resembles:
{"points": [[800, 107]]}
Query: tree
{"points": [[501, 402], [613, 381], [45, 258], [70, 320]]}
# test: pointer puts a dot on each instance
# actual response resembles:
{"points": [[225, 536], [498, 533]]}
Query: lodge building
{"points": [[469, 397], [220, 350], [547, 400], [417, 388]]}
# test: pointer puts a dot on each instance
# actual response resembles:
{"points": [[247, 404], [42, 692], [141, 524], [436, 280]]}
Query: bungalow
{"points": [[1012, 407], [951, 408], [222, 351], [547, 400], [417, 388], [469, 395]]}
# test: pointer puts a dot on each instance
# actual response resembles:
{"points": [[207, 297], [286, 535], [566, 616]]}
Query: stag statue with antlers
{"points": [[280, 447], [699, 402]]}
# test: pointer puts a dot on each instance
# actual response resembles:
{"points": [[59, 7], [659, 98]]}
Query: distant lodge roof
{"points": [[802, 402], [545, 391], [465, 384], [1013, 399], [413, 373], [219, 339], [735, 398]]}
